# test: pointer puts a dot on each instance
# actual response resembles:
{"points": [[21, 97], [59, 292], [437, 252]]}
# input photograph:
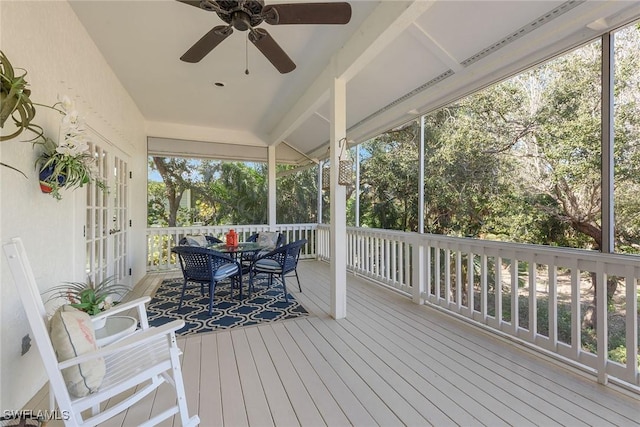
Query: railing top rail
{"points": [[225, 226], [504, 248]]}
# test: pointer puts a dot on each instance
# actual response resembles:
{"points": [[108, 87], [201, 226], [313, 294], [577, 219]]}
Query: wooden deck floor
{"points": [[389, 363]]}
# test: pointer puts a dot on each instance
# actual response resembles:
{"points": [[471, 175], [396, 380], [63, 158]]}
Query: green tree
{"points": [[156, 212], [297, 195], [389, 176], [177, 177]]}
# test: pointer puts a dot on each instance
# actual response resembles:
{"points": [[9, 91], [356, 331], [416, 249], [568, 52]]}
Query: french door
{"points": [[107, 218]]}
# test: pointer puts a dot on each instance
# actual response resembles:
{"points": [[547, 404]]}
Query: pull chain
{"points": [[246, 56]]}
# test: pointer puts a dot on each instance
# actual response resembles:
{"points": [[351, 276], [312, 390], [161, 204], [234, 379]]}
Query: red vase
{"points": [[232, 238]]}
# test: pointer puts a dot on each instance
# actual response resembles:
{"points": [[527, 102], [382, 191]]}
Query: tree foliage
{"points": [[226, 193], [518, 161], [297, 195]]}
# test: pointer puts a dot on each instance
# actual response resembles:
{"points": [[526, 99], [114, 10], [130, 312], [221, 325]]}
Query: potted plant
{"points": [[90, 297], [67, 164]]}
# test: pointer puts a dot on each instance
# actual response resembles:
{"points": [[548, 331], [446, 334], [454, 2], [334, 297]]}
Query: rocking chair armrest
{"points": [[131, 341], [138, 303]]}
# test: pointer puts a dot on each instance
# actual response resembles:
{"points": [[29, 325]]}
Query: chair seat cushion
{"points": [[196, 240], [225, 271], [72, 334], [267, 265]]}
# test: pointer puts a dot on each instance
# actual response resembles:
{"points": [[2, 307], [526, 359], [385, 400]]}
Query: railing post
{"points": [[631, 336], [418, 275], [601, 324]]}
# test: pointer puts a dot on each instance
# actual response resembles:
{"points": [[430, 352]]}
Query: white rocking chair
{"points": [[139, 363]]}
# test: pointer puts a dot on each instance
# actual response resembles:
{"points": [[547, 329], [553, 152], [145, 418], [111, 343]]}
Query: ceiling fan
{"points": [[245, 15]]}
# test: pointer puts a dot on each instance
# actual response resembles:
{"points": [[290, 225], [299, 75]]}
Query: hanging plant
{"points": [[67, 164], [15, 101]]}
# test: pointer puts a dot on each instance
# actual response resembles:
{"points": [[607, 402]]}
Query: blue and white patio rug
{"points": [[264, 305]]}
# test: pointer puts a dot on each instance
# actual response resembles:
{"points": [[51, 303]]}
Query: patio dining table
{"points": [[237, 251]]}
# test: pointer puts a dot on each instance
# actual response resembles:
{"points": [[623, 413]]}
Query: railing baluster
{"points": [[552, 307], [515, 309], [631, 337], [533, 313]]}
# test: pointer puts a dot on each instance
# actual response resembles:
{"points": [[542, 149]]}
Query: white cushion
{"points": [[225, 271], [72, 334], [197, 240], [268, 265], [268, 239]]}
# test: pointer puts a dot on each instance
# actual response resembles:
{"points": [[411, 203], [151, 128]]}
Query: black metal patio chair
{"points": [[249, 257], [207, 267], [280, 262]]}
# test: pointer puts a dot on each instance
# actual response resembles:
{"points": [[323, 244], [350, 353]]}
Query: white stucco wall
{"points": [[46, 39]]}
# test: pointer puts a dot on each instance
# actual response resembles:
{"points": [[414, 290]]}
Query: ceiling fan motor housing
{"points": [[243, 15]]}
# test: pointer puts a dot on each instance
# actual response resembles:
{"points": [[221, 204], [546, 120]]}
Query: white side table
{"points": [[116, 327]]}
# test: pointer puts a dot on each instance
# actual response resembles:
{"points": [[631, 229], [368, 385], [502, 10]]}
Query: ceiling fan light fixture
{"points": [[240, 20]]}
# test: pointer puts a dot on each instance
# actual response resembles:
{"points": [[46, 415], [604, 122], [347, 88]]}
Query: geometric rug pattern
{"points": [[264, 305]]}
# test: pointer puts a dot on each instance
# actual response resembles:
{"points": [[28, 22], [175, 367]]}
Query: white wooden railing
{"points": [[534, 294], [380, 255], [537, 294], [161, 240]]}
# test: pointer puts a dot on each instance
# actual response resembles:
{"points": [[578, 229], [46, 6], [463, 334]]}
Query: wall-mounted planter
{"points": [[45, 175]]}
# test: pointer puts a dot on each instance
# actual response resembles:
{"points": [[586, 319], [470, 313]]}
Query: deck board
{"points": [[282, 410], [389, 363], [258, 412], [210, 399], [551, 383], [453, 364], [302, 403], [233, 405], [353, 377], [318, 392], [350, 405]]}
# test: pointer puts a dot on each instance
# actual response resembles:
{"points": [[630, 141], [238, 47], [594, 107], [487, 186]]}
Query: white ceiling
{"points": [[398, 59]]}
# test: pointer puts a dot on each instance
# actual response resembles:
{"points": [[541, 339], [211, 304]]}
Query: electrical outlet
{"points": [[26, 344]]}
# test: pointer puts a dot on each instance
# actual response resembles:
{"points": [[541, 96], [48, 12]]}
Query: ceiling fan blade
{"points": [[307, 13], [208, 5], [206, 44], [271, 50], [195, 3]]}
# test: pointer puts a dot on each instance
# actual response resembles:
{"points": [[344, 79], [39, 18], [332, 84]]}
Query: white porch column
{"points": [[271, 199], [319, 201], [607, 189], [421, 179], [338, 229], [357, 219], [419, 273]]}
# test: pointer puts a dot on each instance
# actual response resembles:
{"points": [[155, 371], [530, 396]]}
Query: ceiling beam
{"points": [[203, 134], [384, 24], [426, 40]]}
